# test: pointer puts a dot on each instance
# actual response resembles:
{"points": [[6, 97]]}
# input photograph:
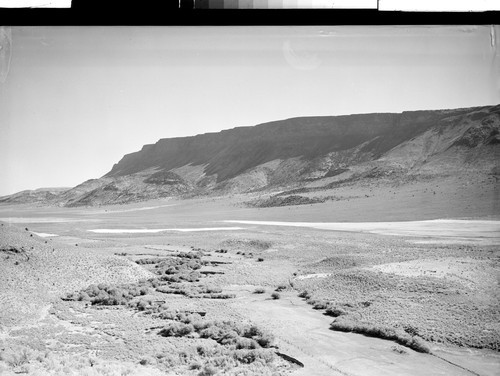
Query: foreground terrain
{"points": [[172, 287]]}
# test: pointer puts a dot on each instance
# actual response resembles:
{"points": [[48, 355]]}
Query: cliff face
{"points": [[229, 153], [290, 153]]}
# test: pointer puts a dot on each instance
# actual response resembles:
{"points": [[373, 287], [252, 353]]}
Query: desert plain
{"points": [[385, 280]]}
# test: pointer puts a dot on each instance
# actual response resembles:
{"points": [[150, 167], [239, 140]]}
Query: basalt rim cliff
{"points": [[289, 154]]}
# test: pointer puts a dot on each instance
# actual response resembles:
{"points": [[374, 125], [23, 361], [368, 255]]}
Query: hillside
{"points": [[33, 196], [289, 154]]}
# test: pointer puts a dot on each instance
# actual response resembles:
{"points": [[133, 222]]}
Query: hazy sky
{"points": [[74, 100]]}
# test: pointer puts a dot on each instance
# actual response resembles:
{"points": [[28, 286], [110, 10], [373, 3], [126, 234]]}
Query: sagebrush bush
{"points": [[17, 360], [218, 296], [208, 370], [281, 288], [176, 329], [259, 290], [104, 294], [195, 365], [246, 343], [212, 332], [336, 311], [211, 289], [231, 333], [320, 305], [250, 356], [305, 294], [275, 295], [401, 337], [200, 325]]}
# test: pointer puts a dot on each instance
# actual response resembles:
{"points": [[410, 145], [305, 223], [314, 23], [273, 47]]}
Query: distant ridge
{"points": [[289, 153], [34, 195], [231, 152]]}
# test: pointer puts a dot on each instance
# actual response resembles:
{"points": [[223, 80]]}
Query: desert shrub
{"points": [[223, 332], [104, 294], [418, 344], [226, 333], [167, 315], [252, 331], [192, 277], [211, 289], [208, 370], [244, 356], [264, 339], [281, 288], [199, 325], [171, 278], [203, 350], [335, 311], [151, 260], [83, 296], [246, 343], [411, 330], [212, 332], [260, 259], [275, 295], [191, 255], [176, 329], [305, 294], [320, 305], [195, 365], [172, 290], [194, 265], [92, 290], [312, 301], [142, 304], [17, 360], [189, 318], [185, 318], [228, 337], [259, 290], [248, 356], [218, 296], [400, 337], [145, 362]]}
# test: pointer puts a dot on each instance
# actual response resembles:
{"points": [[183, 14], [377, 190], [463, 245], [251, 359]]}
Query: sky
{"points": [[74, 100]]}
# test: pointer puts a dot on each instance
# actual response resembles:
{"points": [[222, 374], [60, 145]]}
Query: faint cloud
{"points": [[300, 60]]}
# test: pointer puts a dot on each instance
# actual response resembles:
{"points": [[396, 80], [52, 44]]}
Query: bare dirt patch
{"points": [[473, 273]]}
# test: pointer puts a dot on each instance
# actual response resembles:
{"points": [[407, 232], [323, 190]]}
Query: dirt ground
{"points": [[443, 288]]}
